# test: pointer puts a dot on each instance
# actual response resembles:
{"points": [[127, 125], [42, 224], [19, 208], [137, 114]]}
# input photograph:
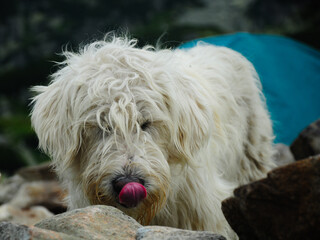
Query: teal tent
{"points": [[290, 75]]}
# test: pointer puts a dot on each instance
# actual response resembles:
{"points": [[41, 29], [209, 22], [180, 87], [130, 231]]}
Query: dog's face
{"points": [[115, 120], [126, 140]]}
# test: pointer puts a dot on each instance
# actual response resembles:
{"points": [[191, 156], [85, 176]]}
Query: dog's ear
{"points": [[51, 119], [192, 120]]}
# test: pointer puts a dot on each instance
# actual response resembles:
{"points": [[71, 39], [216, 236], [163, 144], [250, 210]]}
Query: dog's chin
{"points": [[138, 212], [143, 212], [146, 210], [130, 196]]}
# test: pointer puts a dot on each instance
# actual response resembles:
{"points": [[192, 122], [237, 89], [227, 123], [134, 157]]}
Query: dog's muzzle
{"points": [[130, 190]]}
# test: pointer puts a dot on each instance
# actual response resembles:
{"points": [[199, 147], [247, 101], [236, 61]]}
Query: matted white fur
{"points": [[190, 124]]}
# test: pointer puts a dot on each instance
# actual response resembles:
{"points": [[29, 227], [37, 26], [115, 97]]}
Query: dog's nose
{"points": [[119, 182], [130, 191]]}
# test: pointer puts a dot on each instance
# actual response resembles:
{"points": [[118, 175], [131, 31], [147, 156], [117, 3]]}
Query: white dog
{"points": [[163, 135]]}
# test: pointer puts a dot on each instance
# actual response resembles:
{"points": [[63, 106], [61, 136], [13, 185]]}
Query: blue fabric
{"points": [[290, 75]]}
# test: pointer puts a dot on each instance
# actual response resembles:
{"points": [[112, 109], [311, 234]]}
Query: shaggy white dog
{"points": [[163, 135]]}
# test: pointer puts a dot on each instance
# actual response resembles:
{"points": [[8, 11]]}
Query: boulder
{"points": [[41, 172], [308, 142], [99, 223], [11, 231], [33, 186], [168, 233], [9, 187], [94, 222], [31, 195], [285, 205], [44, 193], [26, 216]]}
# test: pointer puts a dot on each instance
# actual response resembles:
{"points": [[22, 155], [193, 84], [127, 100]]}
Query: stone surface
{"points": [[26, 216], [94, 222], [97, 223], [9, 187], [11, 231], [308, 142], [167, 233], [32, 186], [283, 155], [44, 193], [91, 223], [285, 205], [35, 173], [31, 196]]}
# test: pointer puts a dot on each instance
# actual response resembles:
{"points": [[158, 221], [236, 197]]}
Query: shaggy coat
{"points": [[189, 125]]}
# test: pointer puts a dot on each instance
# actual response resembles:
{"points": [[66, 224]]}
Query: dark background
{"points": [[32, 33]]}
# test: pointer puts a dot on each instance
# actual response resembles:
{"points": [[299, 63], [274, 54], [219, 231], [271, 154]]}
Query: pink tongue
{"points": [[131, 194]]}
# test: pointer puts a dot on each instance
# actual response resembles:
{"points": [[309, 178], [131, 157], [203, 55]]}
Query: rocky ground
{"points": [[284, 205]]}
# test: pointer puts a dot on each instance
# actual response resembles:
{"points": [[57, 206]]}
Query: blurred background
{"points": [[32, 33]]}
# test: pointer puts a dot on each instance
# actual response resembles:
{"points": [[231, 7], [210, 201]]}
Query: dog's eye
{"points": [[106, 131], [109, 129], [145, 125]]}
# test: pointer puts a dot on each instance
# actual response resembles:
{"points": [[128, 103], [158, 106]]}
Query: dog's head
{"points": [[115, 115]]}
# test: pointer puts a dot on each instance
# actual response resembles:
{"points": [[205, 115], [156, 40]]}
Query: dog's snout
{"points": [[119, 182]]}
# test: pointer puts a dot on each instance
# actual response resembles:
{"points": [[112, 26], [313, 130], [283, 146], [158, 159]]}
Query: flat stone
{"points": [[11, 231], [285, 205], [93, 222], [45, 193], [168, 233], [9, 188], [26, 216], [42, 172]]}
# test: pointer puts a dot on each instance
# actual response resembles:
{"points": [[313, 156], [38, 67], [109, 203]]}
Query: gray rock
{"points": [[31, 186], [26, 216], [40, 172], [94, 222], [9, 187], [11, 231], [98, 223], [44, 193], [308, 142], [167, 233]]}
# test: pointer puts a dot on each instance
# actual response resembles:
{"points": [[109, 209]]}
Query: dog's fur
{"points": [[191, 125]]}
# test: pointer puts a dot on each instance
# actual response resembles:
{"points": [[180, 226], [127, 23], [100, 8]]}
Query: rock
{"points": [[308, 142], [36, 185], [285, 205], [283, 155], [27, 216], [166, 233], [36, 173], [99, 223], [9, 187], [94, 222], [11, 231], [45, 193], [27, 200]]}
